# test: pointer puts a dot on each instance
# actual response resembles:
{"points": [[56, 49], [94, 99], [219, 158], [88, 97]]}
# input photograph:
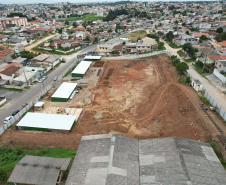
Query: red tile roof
{"points": [[9, 71], [223, 44]]}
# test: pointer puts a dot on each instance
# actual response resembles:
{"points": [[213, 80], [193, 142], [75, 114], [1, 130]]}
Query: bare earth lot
{"points": [[136, 98]]}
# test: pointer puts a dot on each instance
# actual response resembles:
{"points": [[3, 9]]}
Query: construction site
{"points": [[139, 98]]}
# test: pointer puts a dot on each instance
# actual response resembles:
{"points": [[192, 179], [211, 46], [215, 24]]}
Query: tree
{"points": [[182, 67], [74, 25], [175, 61], [221, 37], [187, 32], [138, 39], [115, 52], [190, 50], [219, 30], [176, 22], [202, 38], [160, 45], [96, 40], [110, 30], [87, 38], [66, 22], [169, 36]]}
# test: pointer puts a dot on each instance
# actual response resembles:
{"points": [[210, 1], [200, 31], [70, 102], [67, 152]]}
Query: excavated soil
{"points": [[136, 98]]}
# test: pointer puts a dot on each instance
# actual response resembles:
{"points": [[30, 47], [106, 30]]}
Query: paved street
{"points": [[214, 92]]}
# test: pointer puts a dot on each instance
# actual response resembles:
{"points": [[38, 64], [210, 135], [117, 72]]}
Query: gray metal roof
{"points": [[113, 159], [53, 58], [38, 170]]}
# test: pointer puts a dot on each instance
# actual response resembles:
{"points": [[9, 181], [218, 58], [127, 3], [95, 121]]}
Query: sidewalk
{"points": [[215, 93]]}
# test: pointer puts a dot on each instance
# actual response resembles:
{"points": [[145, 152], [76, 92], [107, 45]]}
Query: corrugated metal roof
{"points": [[113, 159], [65, 90], [93, 57], [82, 67], [47, 121], [38, 170]]}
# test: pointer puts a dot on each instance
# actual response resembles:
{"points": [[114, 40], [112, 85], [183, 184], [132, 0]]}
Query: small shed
{"points": [[64, 92], [39, 105], [92, 58], [47, 122], [81, 69], [39, 170], [197, 85]]}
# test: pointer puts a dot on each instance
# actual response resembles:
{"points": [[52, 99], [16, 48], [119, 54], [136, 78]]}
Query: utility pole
{"points": [[26, 79]]}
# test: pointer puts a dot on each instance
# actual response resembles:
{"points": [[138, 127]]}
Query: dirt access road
{"points": [[29, 48], [136, 98]]}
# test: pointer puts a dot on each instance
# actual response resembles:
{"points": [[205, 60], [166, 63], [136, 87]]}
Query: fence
{"points": [[23, 111], [220, 110], [138, 56]]}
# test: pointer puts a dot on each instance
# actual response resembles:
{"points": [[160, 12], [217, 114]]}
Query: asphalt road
{"points": [[36, 89]]}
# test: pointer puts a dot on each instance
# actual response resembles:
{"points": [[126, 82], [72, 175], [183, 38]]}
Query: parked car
{"points": [[55, 78], [75, 79], [63, 61], [44, 77], [76, 92], [15, 112], [8, 119], [40, 80], [79, 87]]}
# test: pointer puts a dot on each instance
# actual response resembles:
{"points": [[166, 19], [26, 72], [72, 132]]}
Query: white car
{"points": [[40, 80], [55, 78], [8, 119]]}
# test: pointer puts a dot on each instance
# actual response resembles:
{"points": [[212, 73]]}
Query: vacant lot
{"points": [[136, 98], [135, 35]]}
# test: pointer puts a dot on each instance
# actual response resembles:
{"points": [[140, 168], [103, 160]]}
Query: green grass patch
{"points": [[10, 156], [53, 52], [204, 99], [135, 35], [180, 52], [219, 155], [89, 17], [57, 64], [189, 60], [13, 89], [198, 69], [185, 80], [69, 72], [162, 49], [173, 45]]}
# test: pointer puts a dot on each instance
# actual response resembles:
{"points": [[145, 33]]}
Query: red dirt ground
{"points": [[136, 98]]}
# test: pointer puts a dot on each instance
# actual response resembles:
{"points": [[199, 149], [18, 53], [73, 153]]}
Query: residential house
{"points": [[27, 77], [66, 45], [213, 59], [187, 39], [143, 47], [223, 52], [40, 58], [8, 73], [53, 60], [216, 47], [19, 48], [22, 61], [5, 55], [131, 47], [104, 47], [204, 26], [220, 64], [222, 44]]}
